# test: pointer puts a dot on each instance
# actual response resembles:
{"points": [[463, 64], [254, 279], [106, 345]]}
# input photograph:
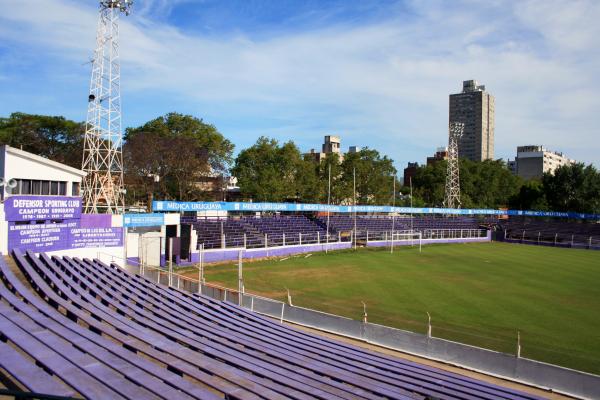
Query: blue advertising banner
{"points": [[29, 208], [133, 220], [181, 206]]}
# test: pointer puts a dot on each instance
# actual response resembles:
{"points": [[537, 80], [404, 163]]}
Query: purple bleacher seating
{"points": [[100, 332], [559, 232], [296, 229]]}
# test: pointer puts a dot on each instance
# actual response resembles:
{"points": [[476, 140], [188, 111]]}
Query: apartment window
{"points": [[54, 188], [62, 188]]}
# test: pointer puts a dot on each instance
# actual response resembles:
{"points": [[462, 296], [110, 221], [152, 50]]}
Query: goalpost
{"points": [[413, 237]]}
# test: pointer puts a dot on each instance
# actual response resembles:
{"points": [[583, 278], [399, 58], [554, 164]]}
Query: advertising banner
{"points": [[180, 206], [30, 208], [132, 220]]}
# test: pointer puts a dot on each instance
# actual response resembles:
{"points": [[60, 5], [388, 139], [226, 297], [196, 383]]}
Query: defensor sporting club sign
{"points": [[50, 223], [30, 208]]}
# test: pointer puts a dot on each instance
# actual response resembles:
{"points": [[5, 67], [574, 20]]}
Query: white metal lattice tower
{"points": [[452, 195], [103, 190]]}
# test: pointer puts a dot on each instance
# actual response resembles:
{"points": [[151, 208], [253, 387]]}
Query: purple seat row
{"points": [[93, 330]]}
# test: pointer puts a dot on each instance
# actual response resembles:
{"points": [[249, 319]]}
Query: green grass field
{"points": [[479, 294]]}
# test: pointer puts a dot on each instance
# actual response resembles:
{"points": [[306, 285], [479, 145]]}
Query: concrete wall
{"points": [[3, 231], [2, 174], [530, 167]]}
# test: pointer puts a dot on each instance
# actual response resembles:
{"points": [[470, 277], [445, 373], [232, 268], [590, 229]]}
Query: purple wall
{"points": [[61, 236], [50, 223]]}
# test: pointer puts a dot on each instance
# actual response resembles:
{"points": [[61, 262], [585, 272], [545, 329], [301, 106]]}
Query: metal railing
{"points": [[385, 235], [555, 239], [297, 239]]}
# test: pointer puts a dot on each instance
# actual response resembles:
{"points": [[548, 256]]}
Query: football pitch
{"points": [[479, 294]]}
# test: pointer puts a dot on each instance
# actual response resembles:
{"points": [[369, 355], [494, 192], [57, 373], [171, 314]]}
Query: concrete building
{"points": [[332, 144], [440, 154], [410, 172], [475, 108], [24, 173], [534, 160], [512, 166]]}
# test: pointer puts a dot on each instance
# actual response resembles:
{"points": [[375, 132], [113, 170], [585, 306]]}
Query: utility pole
{"points": [[328, 204], [393, 214], [354, 174]]}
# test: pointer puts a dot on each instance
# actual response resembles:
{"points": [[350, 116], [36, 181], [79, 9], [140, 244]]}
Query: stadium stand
{"points": [[366, 223], [80, 328], [212, 231], [559, 233], [298, 229]]}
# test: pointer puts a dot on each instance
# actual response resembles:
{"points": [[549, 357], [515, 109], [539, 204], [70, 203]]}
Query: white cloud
{"points": [[384, 85]]}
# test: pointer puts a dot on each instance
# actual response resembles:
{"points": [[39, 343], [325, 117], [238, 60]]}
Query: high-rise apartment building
{"points": [[475, 108], [534, 161]]}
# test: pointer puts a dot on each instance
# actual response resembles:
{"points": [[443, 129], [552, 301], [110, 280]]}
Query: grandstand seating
{"points": [[212, 231], [292, 226], [80, 328], [575, 234], [366, 223], [298, 229]]}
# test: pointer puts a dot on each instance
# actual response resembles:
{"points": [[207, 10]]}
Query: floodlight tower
{"points": [[452, 196], [103, 190]]}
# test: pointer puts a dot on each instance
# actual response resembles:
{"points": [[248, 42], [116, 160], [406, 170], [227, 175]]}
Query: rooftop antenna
{"points": [[452, 195], [103, 189]]}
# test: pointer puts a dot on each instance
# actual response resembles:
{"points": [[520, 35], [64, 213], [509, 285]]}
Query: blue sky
{"points": [[377, 73]]}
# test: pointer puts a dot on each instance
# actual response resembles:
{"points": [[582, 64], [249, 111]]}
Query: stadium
{"points": [[106, 296], [272, 300]]}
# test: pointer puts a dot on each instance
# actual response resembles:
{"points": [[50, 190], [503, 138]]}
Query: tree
{"points": [[487, 184], [268, 171], [180, 149], [337, 186], [54, 137], [531, 196], [207, 138], [429, 183], [573, 187], [374, 177]]}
